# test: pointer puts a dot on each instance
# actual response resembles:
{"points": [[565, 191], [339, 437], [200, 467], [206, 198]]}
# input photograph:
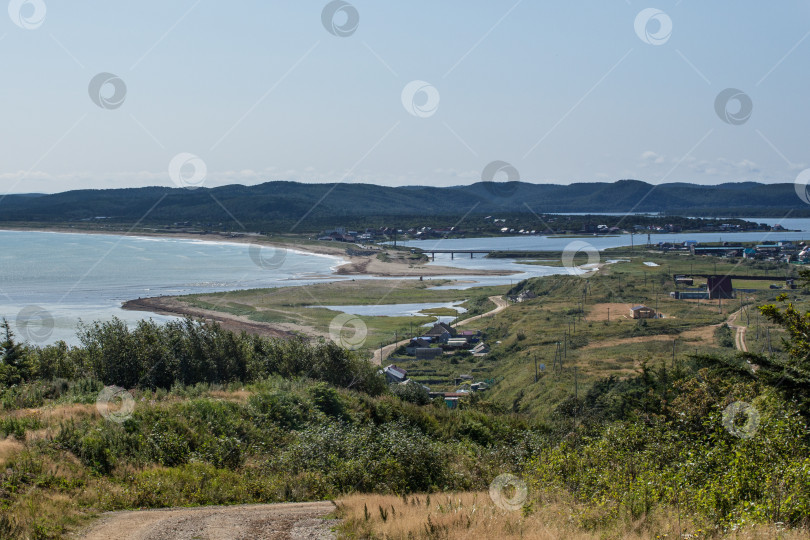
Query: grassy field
{"points": [[294, 305], [587, 315]]}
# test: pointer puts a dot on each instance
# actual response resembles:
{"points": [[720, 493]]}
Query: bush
{"points": [[725, 336]]}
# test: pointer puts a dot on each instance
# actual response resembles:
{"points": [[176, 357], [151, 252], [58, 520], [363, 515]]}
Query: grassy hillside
{"points": [[622, 441]]}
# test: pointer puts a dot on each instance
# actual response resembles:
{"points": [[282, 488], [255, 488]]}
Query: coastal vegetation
{"points": [[642, 429]]}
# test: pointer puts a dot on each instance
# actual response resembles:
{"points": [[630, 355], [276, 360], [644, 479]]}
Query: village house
{"points": [[417, 343], [524, 295], [394, 374], [458, 343], [480, 349], [642, 312], [441, 332]]}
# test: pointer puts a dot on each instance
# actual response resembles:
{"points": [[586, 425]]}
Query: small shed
{"points": [[642, 312], [394, 374]]}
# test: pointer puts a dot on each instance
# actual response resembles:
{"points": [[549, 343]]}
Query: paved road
{"points": [[500, 305], [244, 522]]}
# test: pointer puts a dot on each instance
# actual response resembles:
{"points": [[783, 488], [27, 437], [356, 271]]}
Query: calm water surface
{"points": [[67, 277], [49, 282]]}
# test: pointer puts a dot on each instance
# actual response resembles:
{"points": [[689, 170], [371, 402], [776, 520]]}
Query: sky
{"points": [[100, 94]]}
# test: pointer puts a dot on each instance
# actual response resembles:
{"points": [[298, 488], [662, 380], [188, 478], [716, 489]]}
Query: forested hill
{"points": [[287, 202]]}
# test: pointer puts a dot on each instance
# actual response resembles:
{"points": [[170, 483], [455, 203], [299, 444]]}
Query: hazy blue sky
{"points": [[565, 91]]}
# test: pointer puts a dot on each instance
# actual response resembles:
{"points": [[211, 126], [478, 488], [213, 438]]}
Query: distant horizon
{"points": [[172, 186]]}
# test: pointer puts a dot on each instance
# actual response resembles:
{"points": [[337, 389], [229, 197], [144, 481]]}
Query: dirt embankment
{"points": [[171, 306]]}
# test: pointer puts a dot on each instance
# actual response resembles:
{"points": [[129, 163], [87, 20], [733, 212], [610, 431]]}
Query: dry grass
{"points": [[58, 413], [599, 312], [239, 396], [474, 515], [9, 447]]}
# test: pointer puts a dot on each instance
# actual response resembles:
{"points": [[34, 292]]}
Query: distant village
{"points": [[441, 340], [551, 226], [781, 251]]}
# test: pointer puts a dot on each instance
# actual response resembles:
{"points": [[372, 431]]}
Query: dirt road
{"points": [[247, 522], [500, 305], [380, 355], [739, 336]]}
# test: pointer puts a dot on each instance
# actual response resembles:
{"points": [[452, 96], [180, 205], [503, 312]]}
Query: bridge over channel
{"points": [[453, 252]]}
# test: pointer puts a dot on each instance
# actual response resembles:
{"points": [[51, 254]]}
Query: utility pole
{"points": [[673, 352], [608, 314], [770, 350]]}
